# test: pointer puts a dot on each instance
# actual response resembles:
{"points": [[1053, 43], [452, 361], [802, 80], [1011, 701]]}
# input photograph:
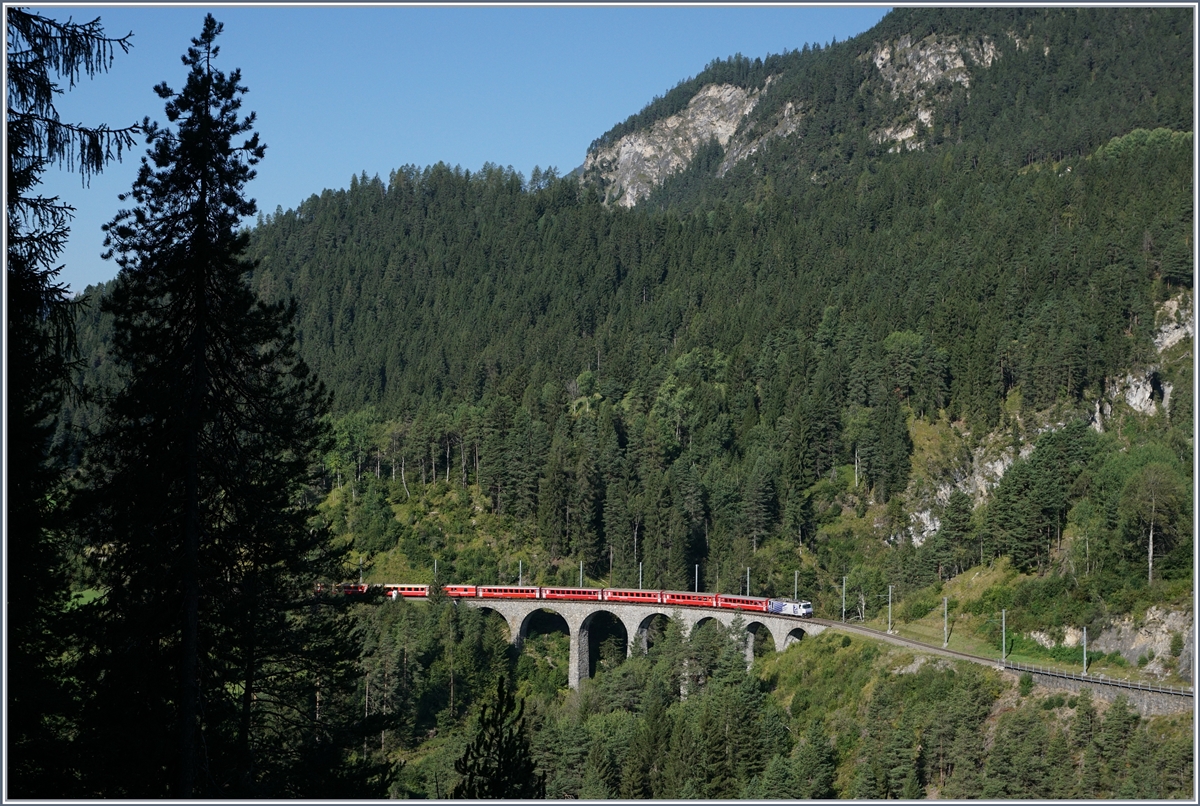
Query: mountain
{"points": [[794, 304], [1030, 83]]}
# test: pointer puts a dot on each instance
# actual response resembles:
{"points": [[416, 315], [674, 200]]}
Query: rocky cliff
{"points": [[1143, 642], [1144, 393], [917, 74], [920, 73], [633, 166]]}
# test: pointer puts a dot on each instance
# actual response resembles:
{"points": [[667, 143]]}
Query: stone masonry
{"points": [[636, 620]]}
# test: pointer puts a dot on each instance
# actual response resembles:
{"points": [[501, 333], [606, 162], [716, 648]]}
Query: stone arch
{"points": [[515, 622], [793, 636], [594, 629], [704, 618], [640, 634], [541, 618], [758, 638], [511, 623], [785, 631]]}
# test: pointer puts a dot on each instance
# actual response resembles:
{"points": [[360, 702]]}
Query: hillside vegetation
{"points": [[852, 365]]}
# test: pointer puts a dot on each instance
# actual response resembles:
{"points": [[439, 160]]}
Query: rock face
{"points": [[1152, 637], [914, 70], [638, 162], [631, 168], [745, 143], [1144, 391], [1176, 322]]}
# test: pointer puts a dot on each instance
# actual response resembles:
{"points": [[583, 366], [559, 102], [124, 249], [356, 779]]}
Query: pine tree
{"points": [[813, 765], [217, 673], [38, 357], [498, 763], [598, 773]]}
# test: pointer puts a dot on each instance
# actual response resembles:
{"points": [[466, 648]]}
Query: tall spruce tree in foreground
{"points": [[214, 671], [498, 762], [40, 54]]}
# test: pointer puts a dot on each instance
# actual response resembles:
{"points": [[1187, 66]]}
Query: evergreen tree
{"points": [[813, 765], [213, 670], [39, 353], [598, 773], [498, 763], [40, 312], [1153, 505]]}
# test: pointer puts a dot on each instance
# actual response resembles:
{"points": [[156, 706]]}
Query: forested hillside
{"points": [[853, 362], [692, 381]]}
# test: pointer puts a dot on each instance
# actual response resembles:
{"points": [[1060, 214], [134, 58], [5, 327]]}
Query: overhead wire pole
{"points": [[945, 622], [1003, 634], [796, 586], [843, 600], [889, 629]]}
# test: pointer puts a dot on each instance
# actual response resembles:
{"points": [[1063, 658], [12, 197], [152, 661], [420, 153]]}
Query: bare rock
{"points": [[1151, 638], [637, 163]]}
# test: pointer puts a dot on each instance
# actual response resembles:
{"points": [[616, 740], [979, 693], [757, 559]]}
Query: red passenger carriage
{"points": [[689, 599], [508, 592], [396, 591], [628, 595], [754, 603], [576, 594]]}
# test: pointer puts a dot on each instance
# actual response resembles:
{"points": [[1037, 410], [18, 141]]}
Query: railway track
{"points": [[1098, 680]]}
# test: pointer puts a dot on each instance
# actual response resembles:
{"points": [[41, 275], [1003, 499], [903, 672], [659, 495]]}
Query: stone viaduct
{"points": [[636, 620]]}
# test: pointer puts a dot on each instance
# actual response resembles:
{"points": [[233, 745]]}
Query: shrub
{"points": [[1026, 684], [918, 606]]}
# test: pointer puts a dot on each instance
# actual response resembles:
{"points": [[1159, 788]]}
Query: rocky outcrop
{"points": [[976, 474], [915, 71], [1176, 322], [1150, 639], [746, 143], [1145, 391], [632, 167]]}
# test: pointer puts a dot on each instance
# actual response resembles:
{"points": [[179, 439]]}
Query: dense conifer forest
{"points": [[846, 366]]}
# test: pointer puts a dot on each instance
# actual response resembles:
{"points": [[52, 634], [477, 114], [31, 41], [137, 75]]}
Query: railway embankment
{"points": [[1148, 698]]}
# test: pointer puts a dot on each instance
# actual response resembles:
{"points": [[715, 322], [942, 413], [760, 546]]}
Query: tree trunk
{"points": [[190, 663]]}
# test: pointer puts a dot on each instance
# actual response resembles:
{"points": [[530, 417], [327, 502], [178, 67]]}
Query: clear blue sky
{"points": [[344, 89]]}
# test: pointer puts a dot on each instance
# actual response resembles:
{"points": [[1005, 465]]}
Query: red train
{"points": [[756, 604]]}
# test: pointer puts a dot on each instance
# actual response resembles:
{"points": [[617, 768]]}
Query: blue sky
{"points": [[340, 90]]}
